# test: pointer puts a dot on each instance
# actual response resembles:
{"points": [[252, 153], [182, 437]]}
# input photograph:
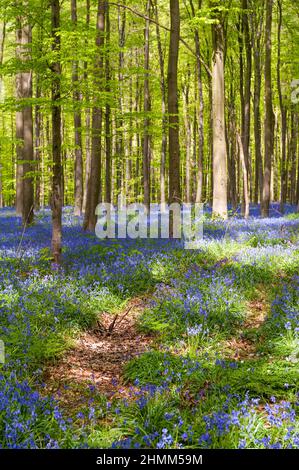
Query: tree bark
{"points": [[87, 119], [269, 115], [219, 140], [94, 183], [56, 202], [2, 42], [19, 124], [257, 111], [146, 110], [28, 187], [199, 188], [247, 97], [120, 149], [232, 153], [24, 124], [293, 155], [186, 92], [283, 112], [108, 137], [245, 177], [173, 106], [164, 115], [78, 175]]}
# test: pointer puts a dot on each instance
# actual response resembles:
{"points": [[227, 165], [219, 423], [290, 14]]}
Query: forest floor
{"points": [[145, 344]]}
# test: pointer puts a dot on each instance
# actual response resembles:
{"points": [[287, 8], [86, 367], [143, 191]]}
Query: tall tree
{"points": [[173, 105], [218, 97], [146, 110], [164, 114], [19, 122], [201, 142], [108, 136], [2, 43], [257, 36], [245, 101], [28, 155], [188, 133], [78, 175], [94, 182], [24, 122], [120, 144], [283, 113], [293, 154], [87, 116], [269, 115]]}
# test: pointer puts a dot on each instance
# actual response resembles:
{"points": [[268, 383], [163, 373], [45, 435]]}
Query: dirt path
{"points": [[98, 357]]}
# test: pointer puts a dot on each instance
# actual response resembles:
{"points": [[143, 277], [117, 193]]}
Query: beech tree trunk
{"points": [[108, 137], [245, 177], [87, 120], [146, 110], [247, 99], [188, 143], [283, 112], [199, 188], [78, 176], [164, 115], [2, 42], [173, 107], [120, 150], [258, 21], [94, 182], [293, 155], [19, 124], [24, 125], [56, 201], [28, 155]]}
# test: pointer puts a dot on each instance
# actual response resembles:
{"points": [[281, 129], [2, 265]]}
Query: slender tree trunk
{"points": [[245, 177], [38, 146], [199, 188], [108, 137], [186, 91], [269, 117], [77, 124], [247, 93], [120, 150], [56, 202], [146, 110], [283, 112], [173, 106], [24, 124], [94, 183], [232, 155], [219, 140], [87, 120], [2, 42], [28, 187], [257, 111], [19, 124], [164, 115], [293, 149]]}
